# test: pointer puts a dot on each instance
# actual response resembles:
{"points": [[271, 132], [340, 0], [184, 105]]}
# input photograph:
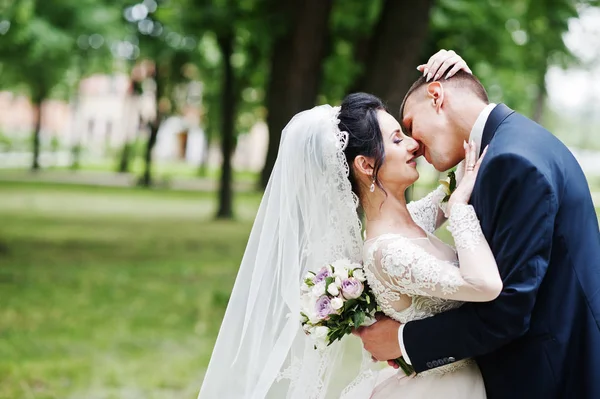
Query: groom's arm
{"points": [[522, 206]]}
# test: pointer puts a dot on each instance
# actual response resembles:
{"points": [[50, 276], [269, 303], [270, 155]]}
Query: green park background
{"points": [[115, 274]]}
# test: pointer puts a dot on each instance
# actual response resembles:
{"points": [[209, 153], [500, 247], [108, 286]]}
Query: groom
{"points": [[541, 337]]}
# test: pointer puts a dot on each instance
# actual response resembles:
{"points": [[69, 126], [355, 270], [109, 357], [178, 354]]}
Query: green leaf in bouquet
{"points": [[328, 280], [304, 315], [452, 176], [358, 318], [349, 304]]}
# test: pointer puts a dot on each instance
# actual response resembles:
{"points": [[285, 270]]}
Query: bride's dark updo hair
{"points": [[358, 117]]}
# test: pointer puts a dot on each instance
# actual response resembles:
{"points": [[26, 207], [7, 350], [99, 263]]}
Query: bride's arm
{"points": [[414, 271], [409, 269], [426, 212]]}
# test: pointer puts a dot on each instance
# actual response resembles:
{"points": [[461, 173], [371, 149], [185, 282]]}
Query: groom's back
{"points": [[564, 329]]}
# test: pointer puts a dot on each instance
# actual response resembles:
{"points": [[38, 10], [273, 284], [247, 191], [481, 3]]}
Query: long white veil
{"points": [[307, 218]]}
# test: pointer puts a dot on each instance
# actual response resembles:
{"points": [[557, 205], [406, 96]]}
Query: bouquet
{"points": [[337, 300]]}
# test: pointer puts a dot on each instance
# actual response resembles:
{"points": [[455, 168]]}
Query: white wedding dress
{"points": [[307, 219], [403, 273]]}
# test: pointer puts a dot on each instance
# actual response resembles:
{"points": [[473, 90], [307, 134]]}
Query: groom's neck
{"points": [[466, 116]]}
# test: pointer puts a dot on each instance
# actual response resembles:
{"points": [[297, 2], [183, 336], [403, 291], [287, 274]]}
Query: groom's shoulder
{"points": [[530, 145], [522, 136]]}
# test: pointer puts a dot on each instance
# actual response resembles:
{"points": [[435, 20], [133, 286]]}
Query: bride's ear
{"points": [[364, 166]]}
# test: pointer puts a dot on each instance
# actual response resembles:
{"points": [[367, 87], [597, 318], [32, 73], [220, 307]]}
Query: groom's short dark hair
{"points": [[462, 79]]}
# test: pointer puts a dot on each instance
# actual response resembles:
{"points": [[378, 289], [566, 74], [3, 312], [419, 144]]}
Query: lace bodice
{"points": [[415, 278]]}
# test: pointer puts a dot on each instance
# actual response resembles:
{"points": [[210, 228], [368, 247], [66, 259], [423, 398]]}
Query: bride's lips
{"points": [[412, 162]]}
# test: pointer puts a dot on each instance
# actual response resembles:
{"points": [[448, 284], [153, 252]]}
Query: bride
{"points": [[331, 161]]}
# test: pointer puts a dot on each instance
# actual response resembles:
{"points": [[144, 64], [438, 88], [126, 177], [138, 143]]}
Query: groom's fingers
{"points": [[393, 364], [358, 331]]}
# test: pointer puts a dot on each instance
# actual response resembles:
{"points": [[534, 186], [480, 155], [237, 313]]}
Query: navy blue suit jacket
{"points": [[541, 337]]}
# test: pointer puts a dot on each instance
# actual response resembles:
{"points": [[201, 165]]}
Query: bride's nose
{"points": [[412, 145]]}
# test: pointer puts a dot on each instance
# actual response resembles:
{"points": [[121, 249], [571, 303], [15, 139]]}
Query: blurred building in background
{"points": [[106, 114]]}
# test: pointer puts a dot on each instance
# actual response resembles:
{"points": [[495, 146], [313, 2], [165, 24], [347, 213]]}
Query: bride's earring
{"points": [[372, 188]]}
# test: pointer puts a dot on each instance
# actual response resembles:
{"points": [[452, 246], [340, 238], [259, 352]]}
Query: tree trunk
{"points": [[296, 69], [37, 99], [394, 51], [203, 168], [228, 114], [75, 156], [124, 158], [159, 74]]}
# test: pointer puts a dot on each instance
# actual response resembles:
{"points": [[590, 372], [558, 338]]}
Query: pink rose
{"points": [[352, 288], [323, 307]]}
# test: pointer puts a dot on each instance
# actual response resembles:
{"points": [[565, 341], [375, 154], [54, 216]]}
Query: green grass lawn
{"points": [[112, 293], [164, 170]]}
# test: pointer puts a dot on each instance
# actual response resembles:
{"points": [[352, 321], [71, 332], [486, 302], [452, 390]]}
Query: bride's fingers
{"points": [[467, 154], [434, 67], [447, 64], [473, 149], [480, 160], [462, 65], [428, 71]]}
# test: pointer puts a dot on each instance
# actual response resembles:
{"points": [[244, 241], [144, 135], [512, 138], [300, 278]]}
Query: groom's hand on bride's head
{"points": [[381, 339], [443, 62]]}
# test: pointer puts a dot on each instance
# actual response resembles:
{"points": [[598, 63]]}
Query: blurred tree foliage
{"points": [[42, 51], [269, 59]]}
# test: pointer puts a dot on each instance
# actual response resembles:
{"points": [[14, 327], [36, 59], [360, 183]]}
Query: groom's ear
{"points": [[435, 94], [364, 166]]}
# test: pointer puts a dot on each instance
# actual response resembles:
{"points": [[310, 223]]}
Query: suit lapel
{"points": [[498, 114]]}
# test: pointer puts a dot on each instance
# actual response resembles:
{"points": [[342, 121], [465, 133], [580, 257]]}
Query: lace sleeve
{"points": [[426, 212], [410, 270], [404, 267], [465, 227]]}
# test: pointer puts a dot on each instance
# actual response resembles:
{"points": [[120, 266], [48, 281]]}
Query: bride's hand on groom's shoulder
{"points": [[443, 62], [381, 338]]}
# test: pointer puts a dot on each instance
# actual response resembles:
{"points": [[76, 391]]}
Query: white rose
{"points": [[321, 332], [313, 318], [341, 271], [309, 276], [333, 290], [338, 282], [319, 289], [359, 275], [320, 336], [304, 287], [337, 303]]}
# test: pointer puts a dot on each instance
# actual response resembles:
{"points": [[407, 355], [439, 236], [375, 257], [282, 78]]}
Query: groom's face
{"points": [[427, 122]]}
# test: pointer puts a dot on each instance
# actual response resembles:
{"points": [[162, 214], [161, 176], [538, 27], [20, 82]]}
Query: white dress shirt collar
{"points": [[477, 130]]}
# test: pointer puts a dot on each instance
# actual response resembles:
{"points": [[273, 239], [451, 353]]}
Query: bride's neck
{"points": [[387, 215]]}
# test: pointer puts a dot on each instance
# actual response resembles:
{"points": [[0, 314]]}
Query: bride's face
{"points": [[399, 169]]}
